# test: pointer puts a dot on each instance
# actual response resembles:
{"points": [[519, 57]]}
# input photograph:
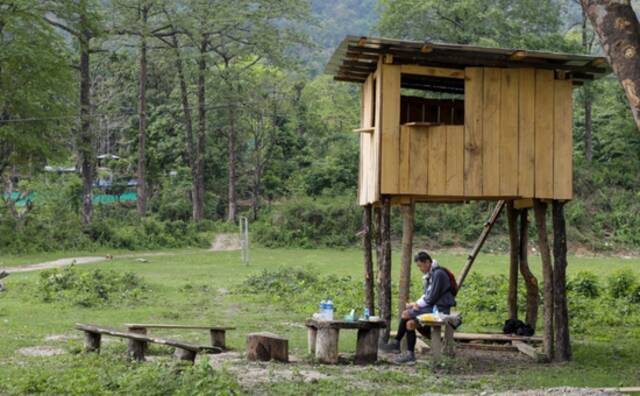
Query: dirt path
{"points": [[221, 242]]}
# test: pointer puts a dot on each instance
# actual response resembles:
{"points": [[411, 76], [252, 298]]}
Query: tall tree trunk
{"points": [[530, 280], [587, 97], [384, 272], [232, 158], [202, 129], [85, 137], [196, 200], [561, 312], [514, 249], [619, 32], [540, 209], [142, 118], [368, 260], [407, 249]]}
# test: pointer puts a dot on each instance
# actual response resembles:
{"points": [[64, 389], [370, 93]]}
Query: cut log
{"points": [[327, 345], [529, 351], [185, 354], [137, 349], [312, 334], [436, 341], [494, 337], [367, 346], [218, 338], [266, 346], [449, 344], [92, 341]]}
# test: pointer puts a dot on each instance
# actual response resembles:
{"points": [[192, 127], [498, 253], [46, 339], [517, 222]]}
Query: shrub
{"points": [[89, 288], [585, 284], [301, 290], [620, 283]]}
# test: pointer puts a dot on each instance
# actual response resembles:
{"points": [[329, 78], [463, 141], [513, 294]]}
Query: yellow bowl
{"points": [[428, 317]]}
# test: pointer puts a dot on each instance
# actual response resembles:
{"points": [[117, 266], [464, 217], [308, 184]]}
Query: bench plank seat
{"points": [[217, 334], [138, 342]]}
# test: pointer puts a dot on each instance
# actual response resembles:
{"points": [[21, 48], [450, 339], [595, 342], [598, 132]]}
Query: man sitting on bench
{"points": [[438, 292]]}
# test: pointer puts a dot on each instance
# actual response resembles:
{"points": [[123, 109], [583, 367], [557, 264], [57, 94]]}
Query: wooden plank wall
{"points": [[516, 140], [366, 177]]}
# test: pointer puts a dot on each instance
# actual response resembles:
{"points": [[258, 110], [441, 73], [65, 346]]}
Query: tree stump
{"points": [[312, 334], [266, 346], [132, 343], [218, 338], [92, 341], [185, 354], [367, 346], [327, 345], [136, 350]]}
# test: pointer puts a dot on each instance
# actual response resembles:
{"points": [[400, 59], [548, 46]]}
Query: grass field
{"points": [[194, 286]]}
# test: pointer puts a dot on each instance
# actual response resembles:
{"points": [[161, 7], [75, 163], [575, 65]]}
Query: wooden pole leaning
{"points": [[483, 237]]}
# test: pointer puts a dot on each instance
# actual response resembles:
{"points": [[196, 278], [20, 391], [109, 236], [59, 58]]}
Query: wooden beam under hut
{"points": [[530, 281], [514, 249], [407, 249], [560, 310], [384, 269], [540, 209], [368, 259]]}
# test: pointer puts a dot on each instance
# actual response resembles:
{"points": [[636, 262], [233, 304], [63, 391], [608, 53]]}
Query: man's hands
{"points": [[408, 306]]}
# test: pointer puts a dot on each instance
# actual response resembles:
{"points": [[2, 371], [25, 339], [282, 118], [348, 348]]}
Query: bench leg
{"points": [[136, 350], [312, 334], [327, 345], [367, 346], [92, 341], [436, 341], [218, 338], [138, 330], [185, 354], [449, 344]]}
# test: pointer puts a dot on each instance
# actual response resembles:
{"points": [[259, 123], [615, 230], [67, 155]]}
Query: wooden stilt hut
{"points": [[496, 126]]}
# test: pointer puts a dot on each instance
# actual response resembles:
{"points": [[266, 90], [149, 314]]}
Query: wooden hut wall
{"points": [[518, 134], [516, 140]]}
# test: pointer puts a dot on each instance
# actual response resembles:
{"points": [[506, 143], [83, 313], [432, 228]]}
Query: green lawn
{"points": [[193, 286]]}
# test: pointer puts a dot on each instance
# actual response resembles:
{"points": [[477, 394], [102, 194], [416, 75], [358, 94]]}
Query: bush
{"points": [[620, 283], [585, 284], [307, 222], [302, 290], [89, 288]]}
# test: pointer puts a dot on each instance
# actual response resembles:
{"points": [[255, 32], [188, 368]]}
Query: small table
{"points": [[323, 339], [437, 346]]}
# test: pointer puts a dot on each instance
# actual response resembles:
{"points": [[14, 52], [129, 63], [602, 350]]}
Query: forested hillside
{"points": [[143, 124]]}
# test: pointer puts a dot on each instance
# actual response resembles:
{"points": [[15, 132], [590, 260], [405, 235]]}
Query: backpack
{"points": [[453, 287]]}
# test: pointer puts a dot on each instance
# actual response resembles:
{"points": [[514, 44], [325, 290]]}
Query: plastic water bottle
{"points": [[323, 310], [435, 312], [366, 314], [329, 309]]}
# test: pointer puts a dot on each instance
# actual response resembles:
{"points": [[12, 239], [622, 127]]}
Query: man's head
{"points": [[423, 261]]}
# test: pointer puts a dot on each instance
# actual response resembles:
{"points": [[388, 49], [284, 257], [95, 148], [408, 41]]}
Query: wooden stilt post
{"points": [[530, 281], [384, 270], [407, 252], [540, 209], [368, 260], [561, 312], [483, 237], [514, 249]]}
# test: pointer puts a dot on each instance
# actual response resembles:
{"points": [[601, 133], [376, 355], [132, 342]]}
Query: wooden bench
{"points": [[138, 342], [438, 344], [216, 333], [323, 339]]}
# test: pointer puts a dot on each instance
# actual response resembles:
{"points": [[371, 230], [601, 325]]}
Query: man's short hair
{"points": [[422, 256]]}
